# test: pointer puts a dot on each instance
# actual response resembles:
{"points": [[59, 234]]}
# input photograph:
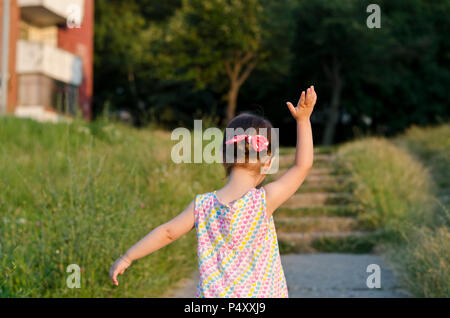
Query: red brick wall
{"points": [[13, 37], [80, 41]]}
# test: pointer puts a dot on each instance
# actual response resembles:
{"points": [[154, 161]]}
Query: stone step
{"points": [[313, 171], [287, 160], [326, 179], [293, 236], [338, 242], [321, 171], [316, 165], [317, 150], [300, 200], [331, 187], [325, 210], [324, 149], [315, 224], [315, 175]]}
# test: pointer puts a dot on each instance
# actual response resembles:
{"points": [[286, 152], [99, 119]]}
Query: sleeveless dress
{"points": [[238, 253]]}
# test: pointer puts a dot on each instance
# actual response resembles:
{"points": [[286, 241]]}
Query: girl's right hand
{"points": [[305, 105], [119, 267]]}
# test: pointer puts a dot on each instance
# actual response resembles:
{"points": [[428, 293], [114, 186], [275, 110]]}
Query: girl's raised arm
{"points": [[158, 238], [278, 191]]}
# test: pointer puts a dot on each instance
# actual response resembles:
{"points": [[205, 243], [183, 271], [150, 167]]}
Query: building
{"points": [[50, 58]]}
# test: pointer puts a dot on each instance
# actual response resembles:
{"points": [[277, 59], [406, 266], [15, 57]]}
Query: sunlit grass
{"points": [[432, 146], [390, 184], [397, 185], [82, 194]]}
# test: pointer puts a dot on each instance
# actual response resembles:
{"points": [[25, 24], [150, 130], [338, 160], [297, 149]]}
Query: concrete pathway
{"points": [[337, 275]]}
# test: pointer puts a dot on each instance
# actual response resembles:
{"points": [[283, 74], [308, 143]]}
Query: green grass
{"points": [[423, 261], [82, 194], [431, 145], [350, 244], [397, 184], [391, 186]]}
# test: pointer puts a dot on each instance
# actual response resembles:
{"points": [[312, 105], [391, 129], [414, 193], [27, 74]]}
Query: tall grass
{"points": [[398, 194], [431, 145], [391, 186], [426, 259], [423, 261], [82, 194]]}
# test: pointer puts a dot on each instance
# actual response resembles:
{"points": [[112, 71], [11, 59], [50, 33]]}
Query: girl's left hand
{"points": [[119, 267], [305, 105]]}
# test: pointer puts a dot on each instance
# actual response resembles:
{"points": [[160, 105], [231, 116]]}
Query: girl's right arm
{"points": [[158, 238], [280, 190]]}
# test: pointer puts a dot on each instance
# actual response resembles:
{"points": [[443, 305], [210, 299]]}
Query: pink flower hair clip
{"points": [[258, 142]]}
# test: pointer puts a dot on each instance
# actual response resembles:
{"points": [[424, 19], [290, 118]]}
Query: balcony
{"points": [[38, 58], [44, 13]]}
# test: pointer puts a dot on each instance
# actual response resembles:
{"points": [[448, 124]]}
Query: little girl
{"points": [[237, 250]]}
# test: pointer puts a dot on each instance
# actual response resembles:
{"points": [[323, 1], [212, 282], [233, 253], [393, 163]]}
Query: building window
{"points": [[65, 98]]}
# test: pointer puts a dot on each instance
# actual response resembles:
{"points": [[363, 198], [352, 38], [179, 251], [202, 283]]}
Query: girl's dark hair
{"points": [[247, 120]]}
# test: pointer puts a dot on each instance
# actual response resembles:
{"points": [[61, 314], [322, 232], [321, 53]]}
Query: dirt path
{"points": [[324, 251]]}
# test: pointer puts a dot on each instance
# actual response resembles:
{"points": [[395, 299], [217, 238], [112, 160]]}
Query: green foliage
{"points": [[202, 35], [217, 44], [350, 244], [396, 75], [432, 146], [119, 53], [82, 194], [400, 199], [392, 187], [185, 53], [423, 263]]}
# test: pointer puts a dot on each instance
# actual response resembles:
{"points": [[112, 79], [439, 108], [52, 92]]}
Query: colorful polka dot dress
{"points": [[238, 254]]}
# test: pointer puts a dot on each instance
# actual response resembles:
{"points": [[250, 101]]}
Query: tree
{"points": [[206, 41], [395, 75], [336, 46], [118, 50], [122, 52]]}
